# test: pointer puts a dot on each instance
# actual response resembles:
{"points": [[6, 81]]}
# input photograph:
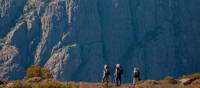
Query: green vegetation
{"points": [[52, 84], [36, 71], [195, 75], [47, 84]]}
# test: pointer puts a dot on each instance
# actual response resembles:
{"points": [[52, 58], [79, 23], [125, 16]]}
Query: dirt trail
{"points": [[99, 85], [144, 84], [168, 82]]}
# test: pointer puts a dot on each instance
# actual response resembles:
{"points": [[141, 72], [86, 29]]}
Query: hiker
{"points": [[118, 73], [106, 74], [136, 75]]}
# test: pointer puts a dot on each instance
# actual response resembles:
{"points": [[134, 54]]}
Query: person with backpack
{"points": [[136, 75], [118, 73], [106, 74]]}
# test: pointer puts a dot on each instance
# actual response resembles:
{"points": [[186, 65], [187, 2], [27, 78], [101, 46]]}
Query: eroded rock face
{"points": [[74, 38]]}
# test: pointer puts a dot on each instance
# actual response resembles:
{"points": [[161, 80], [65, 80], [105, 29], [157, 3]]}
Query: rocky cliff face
{"points": [[74, 38]]}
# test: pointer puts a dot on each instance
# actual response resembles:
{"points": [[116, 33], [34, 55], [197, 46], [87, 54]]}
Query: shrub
{"points": [[196, 75], [46, 73], [36, 71], [33, 71]]}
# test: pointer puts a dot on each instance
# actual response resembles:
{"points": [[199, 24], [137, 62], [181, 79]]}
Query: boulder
{"points": [[151, 82], [1, 82], [187, 81], [168, 80], [9, 85]]}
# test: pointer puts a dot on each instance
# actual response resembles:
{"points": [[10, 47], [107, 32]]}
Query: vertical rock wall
{"points": [[74, 38]]}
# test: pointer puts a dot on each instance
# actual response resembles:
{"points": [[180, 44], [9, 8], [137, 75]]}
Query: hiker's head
{"points": [[136, 69], [105, 66], [118, 65]]}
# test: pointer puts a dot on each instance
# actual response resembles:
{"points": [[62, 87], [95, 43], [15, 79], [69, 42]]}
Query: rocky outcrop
{"points": [[10, 11], [74, 38]]}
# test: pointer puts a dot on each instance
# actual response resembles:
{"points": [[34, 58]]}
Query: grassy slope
{"points": [[168, 82]]}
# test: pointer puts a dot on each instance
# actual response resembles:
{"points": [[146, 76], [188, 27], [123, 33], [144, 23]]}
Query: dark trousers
{"points": [[105, 79], [118, 80], [136, 79]]}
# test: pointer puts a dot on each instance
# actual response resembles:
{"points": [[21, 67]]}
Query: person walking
{"points": [[106, 74], [136, 75], [118, 73]]}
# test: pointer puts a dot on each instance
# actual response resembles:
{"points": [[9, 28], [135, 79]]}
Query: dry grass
{"points": [[168, 82], [57, 84]]}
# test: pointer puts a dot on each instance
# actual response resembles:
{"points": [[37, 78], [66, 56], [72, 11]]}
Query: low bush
{"points": [[196, 75], [36, 71], [33, 71]]}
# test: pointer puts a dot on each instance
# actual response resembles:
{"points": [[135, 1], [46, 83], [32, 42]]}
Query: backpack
{"points": [[136, 72], [119, 71], [107, 72]]}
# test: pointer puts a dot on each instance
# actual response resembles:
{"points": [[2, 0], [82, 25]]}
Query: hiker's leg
{"points": [[103, 80], [133, 81], [120, 80], [137, 79], [107, 79], [116, 81]]}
